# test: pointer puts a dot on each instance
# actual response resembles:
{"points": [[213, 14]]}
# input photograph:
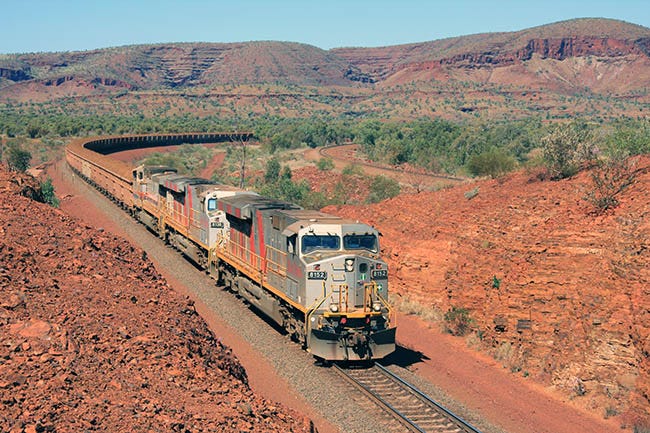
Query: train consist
{"points": [[318, 276]]}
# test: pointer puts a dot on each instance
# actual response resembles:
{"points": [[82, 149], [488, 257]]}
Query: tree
{"points": [[272, 173], [17, 158]]}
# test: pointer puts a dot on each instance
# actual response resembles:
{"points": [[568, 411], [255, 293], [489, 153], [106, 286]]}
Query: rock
{"points": [[32, 329], [66, 337]]}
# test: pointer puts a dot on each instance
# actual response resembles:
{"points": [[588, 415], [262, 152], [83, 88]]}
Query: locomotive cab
{"points": [[346, 284]]}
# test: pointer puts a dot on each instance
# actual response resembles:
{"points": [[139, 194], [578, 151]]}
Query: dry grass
{"points": [[407, 305]]}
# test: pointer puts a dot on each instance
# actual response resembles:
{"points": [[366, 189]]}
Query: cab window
{"points": [[320, 242], [212, 204], [360, 242]]}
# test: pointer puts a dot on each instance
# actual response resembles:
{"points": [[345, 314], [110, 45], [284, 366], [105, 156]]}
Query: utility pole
{"points": [[242, 174]]}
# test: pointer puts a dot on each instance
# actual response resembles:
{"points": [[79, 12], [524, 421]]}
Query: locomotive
{"points": [[318, 276]]}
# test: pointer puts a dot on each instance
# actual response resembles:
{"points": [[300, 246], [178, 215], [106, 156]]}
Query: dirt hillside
{"points": [[557, 294], [93, 338]]}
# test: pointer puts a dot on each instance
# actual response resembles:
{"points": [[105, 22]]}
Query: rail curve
{"points": [[325, 152]]}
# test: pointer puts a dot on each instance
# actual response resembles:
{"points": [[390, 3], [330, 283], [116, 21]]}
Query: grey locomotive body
{"points": [[318, 276]]}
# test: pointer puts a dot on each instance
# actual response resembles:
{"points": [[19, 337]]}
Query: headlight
{"points": [[349, 265], [376, 306], [334, 308]]}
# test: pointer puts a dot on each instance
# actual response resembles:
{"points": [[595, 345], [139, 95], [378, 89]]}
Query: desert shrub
{"points": [[494, 163], [565, 149], [47, 193], [609, 178], [277, 184], [458, 321], [382, 188], [18, 159], [642, 428], [352, 170], [325, 164]]}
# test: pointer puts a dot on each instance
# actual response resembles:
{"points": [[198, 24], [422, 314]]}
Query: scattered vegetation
{"points": [[566, 149], [382, 188], [458, 321], [189, 159], [18, 159], [609, 178]]}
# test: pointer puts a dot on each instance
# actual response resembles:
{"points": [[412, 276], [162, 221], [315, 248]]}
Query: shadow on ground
{"points": [[404, 357]]}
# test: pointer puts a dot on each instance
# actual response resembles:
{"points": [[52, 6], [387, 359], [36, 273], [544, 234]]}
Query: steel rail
{"points": [[417, 423]]}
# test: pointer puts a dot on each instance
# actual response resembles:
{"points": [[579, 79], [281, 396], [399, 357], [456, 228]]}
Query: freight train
{"points": [[318, 276]]}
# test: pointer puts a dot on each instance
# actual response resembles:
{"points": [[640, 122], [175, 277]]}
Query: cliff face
{"points": [[554, 292], [170, 66], [400, 67], [14, 75]]}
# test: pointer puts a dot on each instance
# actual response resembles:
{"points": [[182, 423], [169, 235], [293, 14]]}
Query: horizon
{"points": [[43, 26]]}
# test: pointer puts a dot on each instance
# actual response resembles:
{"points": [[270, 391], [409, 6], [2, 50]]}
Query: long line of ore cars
{"points": [[318, 276]]}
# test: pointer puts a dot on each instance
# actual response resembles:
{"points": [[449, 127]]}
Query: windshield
{"points": [[212, 204], [320, 242], [360, 242]]}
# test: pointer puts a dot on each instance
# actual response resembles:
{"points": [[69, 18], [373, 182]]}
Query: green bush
{"points": [[382, 188], [272, 173], [325, 164], [494, 163], [566, 149], [47, 193], [17, 158]]}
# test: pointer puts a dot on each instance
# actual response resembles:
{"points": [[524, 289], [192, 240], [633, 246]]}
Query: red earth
{"points": [[92, 337], [531, 404]]}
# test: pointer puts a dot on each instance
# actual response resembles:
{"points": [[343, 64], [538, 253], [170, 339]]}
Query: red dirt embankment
{"points": [[93, 338], [558, 295]]}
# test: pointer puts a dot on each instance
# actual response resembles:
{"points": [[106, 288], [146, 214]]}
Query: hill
{"points": [[551, 290], [93, 338], [603, 64]]}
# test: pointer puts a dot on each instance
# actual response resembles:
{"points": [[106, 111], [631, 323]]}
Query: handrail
{"points": [[311, 310]]}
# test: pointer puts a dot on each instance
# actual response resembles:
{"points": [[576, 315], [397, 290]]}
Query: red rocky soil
{"points": [[93, 338], [445, 251], [558, 296]]}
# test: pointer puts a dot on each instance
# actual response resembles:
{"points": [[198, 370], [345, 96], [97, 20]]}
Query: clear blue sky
{"points": [[60, 25]]}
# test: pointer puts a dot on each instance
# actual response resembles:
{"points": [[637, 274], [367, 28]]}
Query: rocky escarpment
{"points": [[93, 339], [555, 293], [588, 38], [14, 74], [496, 57], [187, 64]]}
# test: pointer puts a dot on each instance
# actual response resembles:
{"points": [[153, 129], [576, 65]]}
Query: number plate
{"points": [[381, 273], [317, 275]]}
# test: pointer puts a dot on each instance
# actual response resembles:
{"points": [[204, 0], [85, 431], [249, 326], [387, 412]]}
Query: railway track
{"points": [[413, 410], [325, 152]]}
